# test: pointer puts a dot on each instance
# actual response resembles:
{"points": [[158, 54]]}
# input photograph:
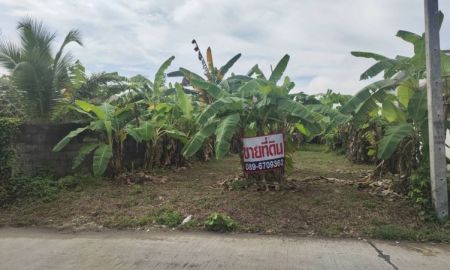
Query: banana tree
{"points": [[213, 74], [257, 107], [400, 98], [162, 128], [105, 138]]}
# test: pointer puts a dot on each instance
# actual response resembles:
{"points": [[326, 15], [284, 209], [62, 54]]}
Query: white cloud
{"points": [[189, 9], [136, 36]]}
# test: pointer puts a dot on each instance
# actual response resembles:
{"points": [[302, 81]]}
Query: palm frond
{"points": [[72, 36], [35, 36], [9, 54]]}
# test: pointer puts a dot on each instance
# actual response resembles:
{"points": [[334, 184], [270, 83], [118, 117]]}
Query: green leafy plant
{"points": [[169, 218], [107, 126], [11, 100], [400, 99], [41, 187], [399, 103], [218, 222], [213, 74], [35, 72], [163, 119], [68, 182], [8, 130], [96, 88], [136, 189], [78, 182], [255, 106]]}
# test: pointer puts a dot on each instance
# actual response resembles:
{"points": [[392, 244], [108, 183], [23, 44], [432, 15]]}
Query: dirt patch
{"points": [[314, 207]]}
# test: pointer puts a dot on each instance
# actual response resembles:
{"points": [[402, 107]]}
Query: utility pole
{"points": [[436, 117]]}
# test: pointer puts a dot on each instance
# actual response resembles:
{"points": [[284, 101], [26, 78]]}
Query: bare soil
{"points": [[314, 207]]}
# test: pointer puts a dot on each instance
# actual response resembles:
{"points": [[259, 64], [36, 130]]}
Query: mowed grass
{"points": [[315, 208]]}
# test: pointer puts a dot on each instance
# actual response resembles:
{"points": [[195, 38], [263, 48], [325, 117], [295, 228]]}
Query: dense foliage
{"points": [[37, 75], [388, 121], [10, 99], [8, 130]]}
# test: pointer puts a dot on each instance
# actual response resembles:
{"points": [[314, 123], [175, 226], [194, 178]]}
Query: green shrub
{"points": [[218, 222], [420, 187], [78, 182], [169, 218], [4, 195], [8, 129], [240, 184], [41, 187], [68, 182]]}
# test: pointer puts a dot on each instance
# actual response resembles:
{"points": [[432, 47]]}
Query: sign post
{"points": [[436, 117], [263, 153]]}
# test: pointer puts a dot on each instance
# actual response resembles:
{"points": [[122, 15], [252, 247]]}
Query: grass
{"points": [[427, 233], [315, 208], [124, 222]]}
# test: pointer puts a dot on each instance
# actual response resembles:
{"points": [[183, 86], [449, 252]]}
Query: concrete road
{"points": [[39, 249]]}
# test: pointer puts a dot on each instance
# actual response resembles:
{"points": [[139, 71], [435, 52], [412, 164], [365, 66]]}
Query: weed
{"points": [[377, 222], [77, 182], [136, 189], [369, 204], [420, 189], [41, 187], [239, 184], [218, 222], [393, 232], [68, 182], [169, 218], [203, 203], [331, 230]]}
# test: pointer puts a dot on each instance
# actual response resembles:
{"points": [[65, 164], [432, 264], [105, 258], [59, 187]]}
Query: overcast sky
{"points": [[134, 36]]}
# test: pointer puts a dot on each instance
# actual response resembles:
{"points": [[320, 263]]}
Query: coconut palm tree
{"points": [[35, 71]]}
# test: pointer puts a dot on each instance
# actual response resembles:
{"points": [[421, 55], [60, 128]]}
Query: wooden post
{"points": [[436, 117]]}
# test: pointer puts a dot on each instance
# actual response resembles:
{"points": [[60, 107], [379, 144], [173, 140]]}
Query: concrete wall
{"points": [[34, 145]]}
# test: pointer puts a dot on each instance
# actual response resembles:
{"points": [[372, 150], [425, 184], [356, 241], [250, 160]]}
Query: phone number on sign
{"points": [[264, 165]]}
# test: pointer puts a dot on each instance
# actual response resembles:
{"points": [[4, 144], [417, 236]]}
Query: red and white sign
{"points": [[263, 153]]}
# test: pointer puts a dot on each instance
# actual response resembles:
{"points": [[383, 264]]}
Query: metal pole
{"points": [[436, 117]]}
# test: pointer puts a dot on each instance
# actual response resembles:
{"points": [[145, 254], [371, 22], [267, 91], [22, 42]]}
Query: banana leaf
{"points": [[102, 156], [277, 73], [224, 134], [393, 136]]}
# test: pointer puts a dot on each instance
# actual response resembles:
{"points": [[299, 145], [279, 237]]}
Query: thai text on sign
{"points": [[263, 153]]}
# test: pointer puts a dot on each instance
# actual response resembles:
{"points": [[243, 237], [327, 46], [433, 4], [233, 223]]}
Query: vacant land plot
{"points": [[315, 206]]}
